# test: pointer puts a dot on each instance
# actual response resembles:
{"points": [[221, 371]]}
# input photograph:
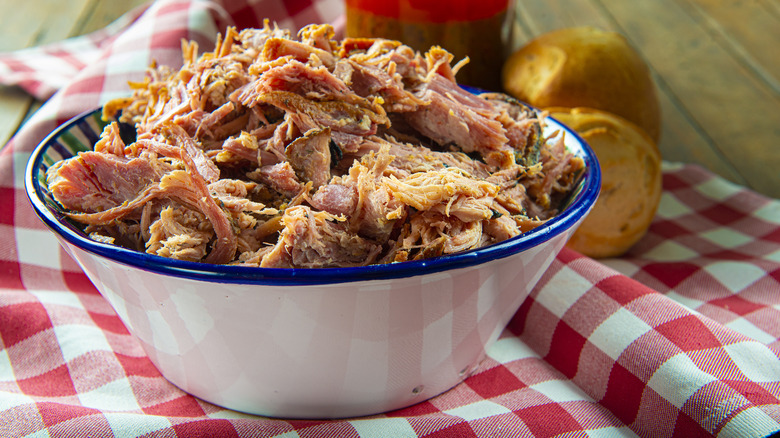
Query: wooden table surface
{"points": [[716, 64]]}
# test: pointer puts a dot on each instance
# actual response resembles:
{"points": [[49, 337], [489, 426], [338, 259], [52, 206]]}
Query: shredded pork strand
{"points": [[284, 151]]}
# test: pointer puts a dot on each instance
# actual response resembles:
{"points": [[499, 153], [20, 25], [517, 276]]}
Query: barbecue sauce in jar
{"points": [[463, 27]]}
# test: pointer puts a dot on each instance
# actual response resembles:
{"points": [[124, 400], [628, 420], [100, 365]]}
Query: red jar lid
{"points": [[432, 11]]}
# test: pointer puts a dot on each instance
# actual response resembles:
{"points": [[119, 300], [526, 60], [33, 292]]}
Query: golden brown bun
{"points": [[630, 186], [585, 67]]}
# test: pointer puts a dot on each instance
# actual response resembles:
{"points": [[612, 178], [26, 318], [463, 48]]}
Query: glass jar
{"points": [[462, 27]]}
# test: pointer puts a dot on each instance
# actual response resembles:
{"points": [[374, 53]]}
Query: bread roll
{"points": [[631, 181], [585, 67]]}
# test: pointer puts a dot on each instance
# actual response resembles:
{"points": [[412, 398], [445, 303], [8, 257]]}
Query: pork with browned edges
{"points": [[303, 151]]}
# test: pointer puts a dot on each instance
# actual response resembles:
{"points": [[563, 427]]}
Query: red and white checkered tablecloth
{"points": [[679, 338]]}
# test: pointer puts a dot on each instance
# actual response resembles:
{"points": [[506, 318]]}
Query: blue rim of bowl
{"points": [[580, 205]]}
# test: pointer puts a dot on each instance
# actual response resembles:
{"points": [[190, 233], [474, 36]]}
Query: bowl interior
{"points": [[82, 132]]}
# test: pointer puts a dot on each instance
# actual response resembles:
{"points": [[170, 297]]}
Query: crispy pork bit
{"points": [[317, 239], [306, 152], [309, 156]]}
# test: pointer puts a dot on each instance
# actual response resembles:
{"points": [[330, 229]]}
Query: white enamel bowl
{"points": [[312, 343]]}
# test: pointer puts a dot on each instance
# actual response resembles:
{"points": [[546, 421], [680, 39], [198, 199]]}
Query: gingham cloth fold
{"points": [[679, 338]]}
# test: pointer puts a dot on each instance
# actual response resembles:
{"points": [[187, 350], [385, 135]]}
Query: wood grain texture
{"points": [[35, 22], [747, 30], [732, 107]]}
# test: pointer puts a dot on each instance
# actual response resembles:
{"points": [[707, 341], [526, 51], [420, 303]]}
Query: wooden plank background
{"points": [[716, 64]]}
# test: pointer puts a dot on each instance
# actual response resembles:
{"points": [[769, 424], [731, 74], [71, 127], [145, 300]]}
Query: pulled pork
{"points": [[307, 152]]}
